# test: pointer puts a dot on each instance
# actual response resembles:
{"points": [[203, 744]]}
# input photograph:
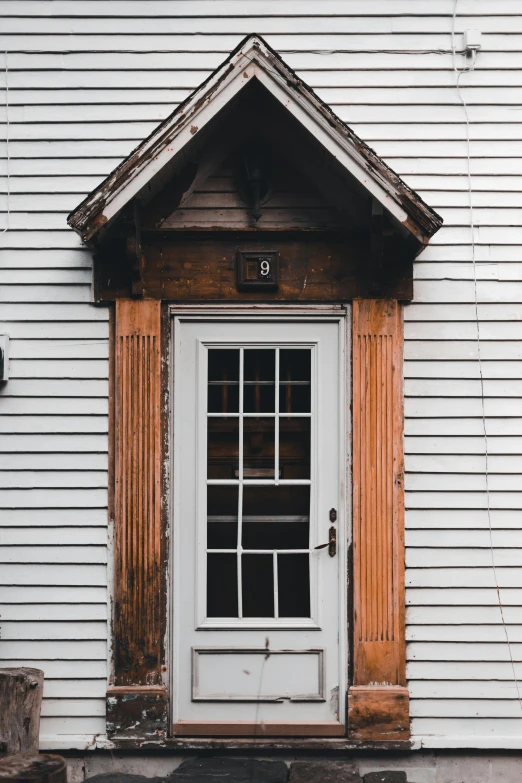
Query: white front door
{"points": [[259, 616]]}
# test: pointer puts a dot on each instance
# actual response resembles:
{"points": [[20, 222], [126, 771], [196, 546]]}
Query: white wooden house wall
{"points": [[89, 80]]}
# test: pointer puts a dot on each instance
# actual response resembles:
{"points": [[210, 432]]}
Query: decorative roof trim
{"points": [[253, 58]]}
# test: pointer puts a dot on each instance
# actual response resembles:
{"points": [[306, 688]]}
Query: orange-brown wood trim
{"points": [[138, 605], [379, 714], [378, 502], [189, 728]]}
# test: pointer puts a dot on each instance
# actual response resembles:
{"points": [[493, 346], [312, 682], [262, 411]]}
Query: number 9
{"points": [[265, 267]]}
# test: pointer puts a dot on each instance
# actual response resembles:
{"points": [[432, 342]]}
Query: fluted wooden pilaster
{"points": [[137, 567], [378, 509]]}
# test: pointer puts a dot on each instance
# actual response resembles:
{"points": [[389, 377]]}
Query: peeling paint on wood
{"points": [[137, 713]]}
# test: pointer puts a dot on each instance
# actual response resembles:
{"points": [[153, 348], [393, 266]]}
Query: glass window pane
{"points": [[294, 447], [221, 517], [223, 380], [294, 380], [293, 584], [276, 517], [222, 448], [221, 585], [258, 585], [258, 447], [259, 380]]}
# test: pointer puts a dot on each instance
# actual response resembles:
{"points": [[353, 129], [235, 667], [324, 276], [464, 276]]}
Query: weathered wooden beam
{"points": [[21, 693], [378, 523], [134, 248], [376, 255]]}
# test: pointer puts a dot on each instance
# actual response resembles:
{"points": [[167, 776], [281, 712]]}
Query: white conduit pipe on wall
{"points": [[459, 72]]}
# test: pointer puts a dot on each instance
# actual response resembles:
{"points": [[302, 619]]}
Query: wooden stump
{"points": [[33, 769], [21, 693]]}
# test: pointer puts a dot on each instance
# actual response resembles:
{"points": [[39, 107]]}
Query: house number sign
{"points": [[257, 269]]}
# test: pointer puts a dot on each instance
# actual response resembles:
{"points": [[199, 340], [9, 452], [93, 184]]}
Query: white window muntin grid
{"points": [[276, 481]]}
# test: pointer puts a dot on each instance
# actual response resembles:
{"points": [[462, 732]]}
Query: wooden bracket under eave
{"points": [[137, 712], [378, 713]]}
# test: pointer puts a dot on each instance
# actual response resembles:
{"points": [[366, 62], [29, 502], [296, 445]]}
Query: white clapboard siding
{"points": [[44, 517], [463, 518], [86, 82], [13, 536], [27, 612], [79, 463], [484, 598]]}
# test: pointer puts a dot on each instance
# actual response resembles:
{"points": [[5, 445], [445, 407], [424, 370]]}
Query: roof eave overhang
{"points": [[254, 59]]}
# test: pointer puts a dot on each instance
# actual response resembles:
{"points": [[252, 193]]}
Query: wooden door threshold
{"points": [[187, 728]]}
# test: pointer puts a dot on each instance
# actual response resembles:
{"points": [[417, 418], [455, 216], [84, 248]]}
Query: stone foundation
{"points": [[420, 766]]}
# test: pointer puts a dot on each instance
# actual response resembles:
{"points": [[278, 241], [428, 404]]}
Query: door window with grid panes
{"points": [[258, 482]]}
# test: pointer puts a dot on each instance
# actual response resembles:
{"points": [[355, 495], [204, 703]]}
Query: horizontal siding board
{"points": [[472, 634], [485, 598], [58, 669], [464, 651], [27, 423], [453, 689], [57, 536], [462, 445], [424, 407], [53, 498], [48, 612], [74, 688], [54, 462], [443, 500], [463, 538], [29, 597], [53, 630], [465, 730], [444, 352], [53, 574], [463, 518], [73, 406], [460, 615], [73, 707], [499, 466], [237, 8], [36, 517], [417, 557], [58, 367], [453, 426], [91, 70], [77, 650], [53, 554], [458, 482], [62, 728], [463, 577], [58, 312], [342, 18], [45, 443], [46, 478], [496, 672], [44, 387], [466, 708]]}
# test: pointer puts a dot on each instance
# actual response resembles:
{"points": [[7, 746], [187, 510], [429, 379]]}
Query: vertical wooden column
{"points": [[378, 700], [138, 589]]}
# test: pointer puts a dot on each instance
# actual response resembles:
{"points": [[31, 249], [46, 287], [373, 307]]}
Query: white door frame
{"points": [[259, 312]]}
